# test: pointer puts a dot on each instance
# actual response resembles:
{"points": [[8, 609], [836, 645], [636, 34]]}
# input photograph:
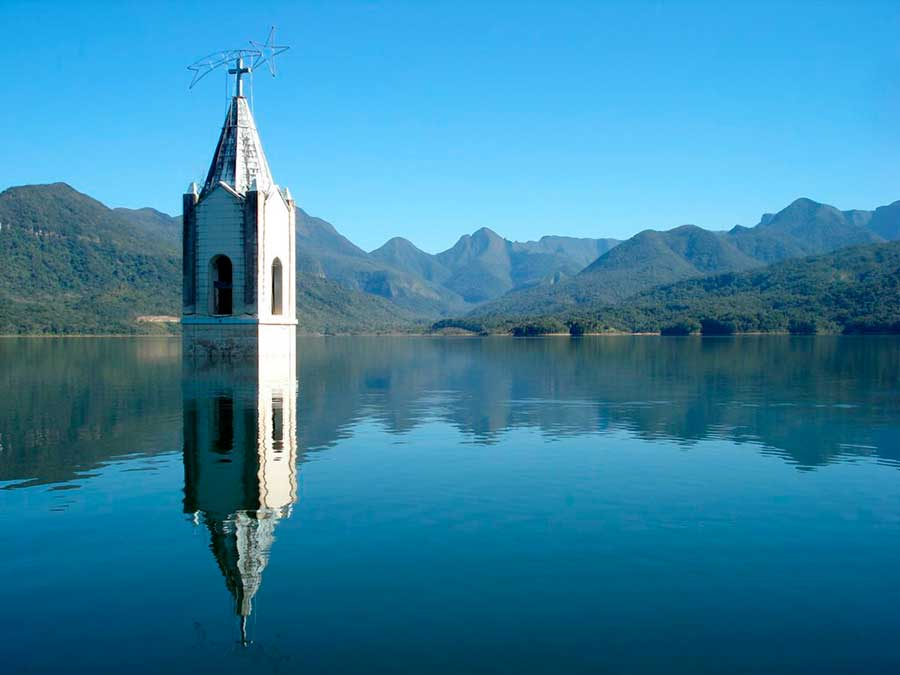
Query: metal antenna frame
{"points": [[260, 53]]}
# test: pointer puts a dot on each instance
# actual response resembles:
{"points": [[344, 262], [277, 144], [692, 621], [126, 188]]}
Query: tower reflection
{"points": [[240, 453]]}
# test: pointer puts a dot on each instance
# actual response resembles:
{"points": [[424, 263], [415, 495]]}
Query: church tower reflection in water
{"points": [[240, 454]]}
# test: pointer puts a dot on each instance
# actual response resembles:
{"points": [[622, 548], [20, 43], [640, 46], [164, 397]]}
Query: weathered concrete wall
{"points": [[266, 345]]}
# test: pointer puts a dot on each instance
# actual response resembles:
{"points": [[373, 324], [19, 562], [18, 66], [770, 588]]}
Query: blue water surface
{"points": [[408, 505]]}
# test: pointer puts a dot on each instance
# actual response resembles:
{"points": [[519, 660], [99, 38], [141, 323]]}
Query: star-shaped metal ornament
{"points": [[268, 50]]}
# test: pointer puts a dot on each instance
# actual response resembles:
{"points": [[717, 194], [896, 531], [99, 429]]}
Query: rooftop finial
{"points": [[238, 70]]}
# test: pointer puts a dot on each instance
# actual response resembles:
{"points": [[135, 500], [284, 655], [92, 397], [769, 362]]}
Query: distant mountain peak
{"points": [[58, 189], [58, 185], [486, 232], [398, 243], [802, 207], [804, 202], [687, 228], [144, 209]]}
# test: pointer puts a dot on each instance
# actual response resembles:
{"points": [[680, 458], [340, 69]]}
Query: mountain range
{"points": [[479, 267], [652, 258], [852, 290], [70, 264]]}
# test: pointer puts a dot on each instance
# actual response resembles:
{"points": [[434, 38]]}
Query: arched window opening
{"points": [[220, 277], [276, 286]]}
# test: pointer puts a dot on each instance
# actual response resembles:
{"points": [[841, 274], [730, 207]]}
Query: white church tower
{"points": [[238, 249]]}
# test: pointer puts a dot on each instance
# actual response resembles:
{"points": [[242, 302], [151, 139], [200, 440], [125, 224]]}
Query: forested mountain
{"points": [[404, 255], [803, 228], [483, 265], [70, 264], [322, 251], [154, 222], [579, 250], [325, 306], [852, 290], [885, 221], [652, 258], [479, 267]]}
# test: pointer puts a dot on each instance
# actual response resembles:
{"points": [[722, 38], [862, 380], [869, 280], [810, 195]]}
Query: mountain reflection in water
{"points": [[74, 405]]}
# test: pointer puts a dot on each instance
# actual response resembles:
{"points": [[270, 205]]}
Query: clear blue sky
{"points": [[431, 119]]}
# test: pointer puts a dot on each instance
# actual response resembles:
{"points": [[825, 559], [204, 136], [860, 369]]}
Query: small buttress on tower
{"points": [[238, 250]]}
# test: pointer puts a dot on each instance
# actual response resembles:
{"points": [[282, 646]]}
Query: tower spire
{"points": [[239, 160]]}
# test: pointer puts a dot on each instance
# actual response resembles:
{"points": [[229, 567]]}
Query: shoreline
{"points": [[46, 336]]}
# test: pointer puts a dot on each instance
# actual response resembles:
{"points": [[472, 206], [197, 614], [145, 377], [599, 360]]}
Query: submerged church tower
{"points": [[238, 248]]}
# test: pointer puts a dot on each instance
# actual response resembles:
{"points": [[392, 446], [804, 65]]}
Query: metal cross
{"points": [[238, 70]]}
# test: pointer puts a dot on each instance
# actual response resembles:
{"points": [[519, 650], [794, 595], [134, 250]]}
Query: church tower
{"points": [[238, 248]]}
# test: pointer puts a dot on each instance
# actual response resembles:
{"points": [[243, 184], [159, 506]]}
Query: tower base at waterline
{"points": [[234, 339]]}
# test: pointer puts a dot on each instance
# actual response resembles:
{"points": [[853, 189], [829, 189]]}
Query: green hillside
{"points": [[154, 222], [326, 307], [70, 265], [853, 290]]}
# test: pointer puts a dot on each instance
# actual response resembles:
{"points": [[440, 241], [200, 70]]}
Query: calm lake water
{"points": [[409, 505]]}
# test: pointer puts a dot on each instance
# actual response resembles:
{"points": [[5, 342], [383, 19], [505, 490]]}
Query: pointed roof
{"points": [[239, 160], [241, 546]]}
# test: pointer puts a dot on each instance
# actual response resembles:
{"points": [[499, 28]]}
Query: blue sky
{"points": [[431, 119]]}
